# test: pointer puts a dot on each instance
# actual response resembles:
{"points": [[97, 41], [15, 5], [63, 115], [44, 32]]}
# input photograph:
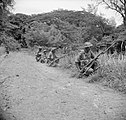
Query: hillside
{"points": [[58, 28]]}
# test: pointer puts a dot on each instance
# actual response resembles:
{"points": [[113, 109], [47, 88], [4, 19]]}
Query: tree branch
{"points": [[117, 6], [122, 2], [109, 6]]}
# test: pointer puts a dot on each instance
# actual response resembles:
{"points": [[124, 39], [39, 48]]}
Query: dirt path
{"points": [[33, 91]]}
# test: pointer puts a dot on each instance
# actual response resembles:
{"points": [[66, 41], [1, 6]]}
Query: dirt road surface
{"points": [[33, 91]]}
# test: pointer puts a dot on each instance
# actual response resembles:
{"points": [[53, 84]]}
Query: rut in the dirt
{"points": [[33, 91]]}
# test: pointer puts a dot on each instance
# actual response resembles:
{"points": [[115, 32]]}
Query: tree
{"points": [[65, 27], [117, 5], [5, 6], [36, 34], [92, 9]]}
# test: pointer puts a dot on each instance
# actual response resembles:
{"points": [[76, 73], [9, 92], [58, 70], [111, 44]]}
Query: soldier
{"points": [[84, 57], [43, 57], [79, 59], [39, 54], [7, 50], [52, 55]]}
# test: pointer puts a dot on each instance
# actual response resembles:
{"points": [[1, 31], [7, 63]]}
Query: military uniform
{"points": [[7, 50], [52, 56], [39, 54], [84, 57], [43, 57]]}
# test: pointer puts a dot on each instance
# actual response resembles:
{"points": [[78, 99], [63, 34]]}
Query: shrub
{"points": [[11, 43], [112, 73], [68, 61], [36, 37]]}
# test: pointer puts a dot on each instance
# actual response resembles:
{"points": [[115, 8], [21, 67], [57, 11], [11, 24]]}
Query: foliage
{"points": [[91, 24], [36, 34], [18, 19], [112, 73], [5, 6], [116, 5], [72, 33], [4, 10], [10, 42], [59, 27], [119, 29], [68, 61]]}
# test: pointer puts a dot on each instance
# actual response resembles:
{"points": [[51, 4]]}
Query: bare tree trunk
{"points": [[124, 16]]}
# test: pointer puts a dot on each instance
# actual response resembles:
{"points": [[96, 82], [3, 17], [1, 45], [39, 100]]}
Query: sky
{"points": [[42, 6]]}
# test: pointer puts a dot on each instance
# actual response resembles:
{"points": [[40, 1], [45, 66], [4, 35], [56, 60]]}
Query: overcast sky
{"points": [[40, 6]]}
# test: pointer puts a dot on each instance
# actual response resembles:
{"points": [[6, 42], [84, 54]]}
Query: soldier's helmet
{"points": [[87, 44]]}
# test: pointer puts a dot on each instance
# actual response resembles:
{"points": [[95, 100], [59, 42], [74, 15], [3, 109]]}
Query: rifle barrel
{"points": [[90, 63]]}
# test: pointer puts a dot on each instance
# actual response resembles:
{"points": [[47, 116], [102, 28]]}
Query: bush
{"points": [[112, 73], [68, 61], [36, 37], [11, 43]]}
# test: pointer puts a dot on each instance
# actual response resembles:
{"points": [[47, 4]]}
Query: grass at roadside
{"points": [[112, 71]]}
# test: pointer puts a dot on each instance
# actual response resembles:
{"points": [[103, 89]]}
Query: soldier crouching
{"points": [[52, 56], [43, 57], [84, 57], [38, 55]]}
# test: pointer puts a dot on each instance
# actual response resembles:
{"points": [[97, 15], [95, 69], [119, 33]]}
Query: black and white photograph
{"points": [[62, 59]]}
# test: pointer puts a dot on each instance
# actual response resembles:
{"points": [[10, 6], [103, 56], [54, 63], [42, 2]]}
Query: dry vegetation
{"points": [[112, 71]]}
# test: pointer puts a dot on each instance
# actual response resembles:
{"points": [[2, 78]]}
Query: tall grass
{"points": [[68, 60], [112, 71]]}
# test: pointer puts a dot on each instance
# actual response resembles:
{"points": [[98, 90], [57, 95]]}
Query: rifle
{"points": [[57, 59], [88, 66]]}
